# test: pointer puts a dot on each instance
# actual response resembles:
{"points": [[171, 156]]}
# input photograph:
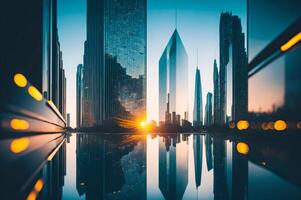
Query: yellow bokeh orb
{"points": [[242, 125], [242, 148], [20, 80], [19, 145], [280, 125]]}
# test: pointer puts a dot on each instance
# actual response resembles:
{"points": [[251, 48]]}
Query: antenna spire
{"points": [[176, 21], [197, 57]]}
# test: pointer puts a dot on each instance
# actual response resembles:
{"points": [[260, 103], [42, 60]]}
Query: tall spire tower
{"points": [[198, 101]]}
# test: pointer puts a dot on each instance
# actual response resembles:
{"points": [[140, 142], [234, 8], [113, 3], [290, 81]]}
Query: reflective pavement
{"points": [[150, 166]]}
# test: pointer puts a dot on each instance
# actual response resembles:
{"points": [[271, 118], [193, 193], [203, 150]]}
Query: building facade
{"points": [[115, 60], [34, 49], [216, 94], [208, 110], [198, 101], [79, 95], [233, 73], [173, 77]]}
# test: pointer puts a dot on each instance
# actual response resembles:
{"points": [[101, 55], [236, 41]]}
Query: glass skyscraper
{"points": [[208, 110], [173, 77], [115, 60], [198, 101]]}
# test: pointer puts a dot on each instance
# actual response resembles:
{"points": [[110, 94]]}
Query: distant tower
{"points": [[216, 94], [198, 101], [173, 77], [167, 112], [208, 110], [79, 95]]}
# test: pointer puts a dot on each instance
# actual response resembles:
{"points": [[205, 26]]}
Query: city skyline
{"points": [[188, 24]]}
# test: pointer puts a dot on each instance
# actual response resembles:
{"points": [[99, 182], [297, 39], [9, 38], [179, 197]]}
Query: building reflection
{"points": [[53, 175], [209, 152], [198, 158], [173, 166], [239, 174], [32, 165], [220, 181], [110, 167]]}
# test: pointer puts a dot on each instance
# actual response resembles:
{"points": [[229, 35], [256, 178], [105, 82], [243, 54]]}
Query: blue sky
{"points": [[198, 26]]}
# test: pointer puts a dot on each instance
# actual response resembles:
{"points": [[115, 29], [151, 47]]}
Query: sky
{"points": [[197, 24], [72, 35]]}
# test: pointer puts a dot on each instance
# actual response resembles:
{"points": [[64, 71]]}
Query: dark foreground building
{"points": [[30, 46], [115, 61]]}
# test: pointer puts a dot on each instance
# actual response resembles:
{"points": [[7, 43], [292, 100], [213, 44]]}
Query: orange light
{"points": [[242, 125], [299, 125], [264, 126], [280, 125], [242, 148], [39, 185], [232, 125], [294, 40], [143, 124], [270, 125], [20, 80], [32, 196], [19, 124], [19, 145], [34, 92]]}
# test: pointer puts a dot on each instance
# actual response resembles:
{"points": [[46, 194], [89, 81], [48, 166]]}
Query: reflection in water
{"points": [[198, 158], [173, 166], [220, 183], [208, 144], [109, 168]]}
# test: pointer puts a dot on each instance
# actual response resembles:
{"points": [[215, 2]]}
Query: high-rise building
{"points": [[79, 95], [232, 59], [173, 76], [30, 46], [239, 72], [208, 110], [115, 60], [216, 94], [167, 112], [198, 101], [224, 44]]}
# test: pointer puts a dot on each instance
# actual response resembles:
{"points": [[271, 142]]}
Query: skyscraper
{"points": [[173, 76], [208, 110], [30, 46], [224, 44], [167, 113], [233, 55], [115, 60], [198, 101], [79, 89], [216, 94], [240, 71]]}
